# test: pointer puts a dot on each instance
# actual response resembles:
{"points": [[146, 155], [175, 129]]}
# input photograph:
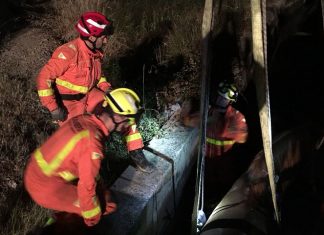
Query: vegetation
{"points": [[155, 48]]}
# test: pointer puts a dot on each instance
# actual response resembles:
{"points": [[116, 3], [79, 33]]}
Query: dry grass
{"points": [[25, 124], [26, 215], [66, 14], [132, 21], [23, 127]]}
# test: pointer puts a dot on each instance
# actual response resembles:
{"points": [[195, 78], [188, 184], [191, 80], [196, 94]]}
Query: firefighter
{"points": [[63, 173], [72, 83], [226, 126]]}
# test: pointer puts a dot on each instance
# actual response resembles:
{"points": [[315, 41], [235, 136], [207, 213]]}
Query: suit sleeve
{"points": [[133, 138], [238, 129], [54, 68], [89, 166], [103, 84]]}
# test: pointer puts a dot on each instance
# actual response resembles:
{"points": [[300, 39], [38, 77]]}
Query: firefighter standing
{"points": [[71, 83], [74, 153], [226, 126]]}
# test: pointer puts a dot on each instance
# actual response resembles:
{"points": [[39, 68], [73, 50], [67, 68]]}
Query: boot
{"points": [[140, 161]]}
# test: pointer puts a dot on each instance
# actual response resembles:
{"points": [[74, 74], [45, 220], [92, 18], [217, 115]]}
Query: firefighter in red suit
{"points": [[73, 154], [226, 127], [72, 83]]}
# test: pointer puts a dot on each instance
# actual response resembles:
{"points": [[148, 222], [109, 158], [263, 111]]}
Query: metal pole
{"points": [[259, 37], [322, 4]]}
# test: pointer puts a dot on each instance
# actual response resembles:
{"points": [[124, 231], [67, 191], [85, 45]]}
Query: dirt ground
{"points": [[21, 56], [25, 52]]}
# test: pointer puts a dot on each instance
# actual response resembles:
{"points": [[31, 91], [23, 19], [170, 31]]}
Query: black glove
{"points": [[140, 161], [59, 114]]}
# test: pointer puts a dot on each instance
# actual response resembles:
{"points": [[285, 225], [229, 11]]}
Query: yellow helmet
{"points": [[123, 101]]}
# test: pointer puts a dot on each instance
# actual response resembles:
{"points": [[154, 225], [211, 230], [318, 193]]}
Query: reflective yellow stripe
{"points": [[67, 176], [102, 79], [45, 92], [133, 137], [71, 86], [93, 212], [48, 168], [220, 142]]}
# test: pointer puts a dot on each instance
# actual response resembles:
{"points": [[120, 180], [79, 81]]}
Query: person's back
{"points": [[63, 173], [72, 153], [80, 136]]}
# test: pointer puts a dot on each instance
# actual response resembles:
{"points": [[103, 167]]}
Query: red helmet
{"points": [[94, 24]]}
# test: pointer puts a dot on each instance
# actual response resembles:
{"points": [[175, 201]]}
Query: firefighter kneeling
{"points": [[74, 153]]}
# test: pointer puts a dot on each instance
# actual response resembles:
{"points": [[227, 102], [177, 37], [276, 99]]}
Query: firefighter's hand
{"points": [[93, 220], [59, 115], [110, 205]]}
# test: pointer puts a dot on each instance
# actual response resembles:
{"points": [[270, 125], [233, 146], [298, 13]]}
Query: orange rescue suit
{"points": [[73, 152], [222, 165], [224, 130], [74, 71]]}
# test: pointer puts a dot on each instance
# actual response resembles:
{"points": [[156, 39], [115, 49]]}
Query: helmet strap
{"points": [[87, 38], [111, 115], [222, 103], [94, 48]]}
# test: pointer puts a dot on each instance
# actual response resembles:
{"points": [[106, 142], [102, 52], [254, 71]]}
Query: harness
{"points": [[72, 96]]}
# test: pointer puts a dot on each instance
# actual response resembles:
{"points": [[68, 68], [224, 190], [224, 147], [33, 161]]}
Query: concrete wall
{"points": [[147, 203]]}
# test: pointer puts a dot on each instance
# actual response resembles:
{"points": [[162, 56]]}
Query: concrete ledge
{"points": [[147, 202]]}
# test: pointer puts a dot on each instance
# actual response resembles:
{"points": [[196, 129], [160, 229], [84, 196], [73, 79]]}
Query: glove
{"points": [[93, 220], [140, 161], [59, 115], [110, 205]]}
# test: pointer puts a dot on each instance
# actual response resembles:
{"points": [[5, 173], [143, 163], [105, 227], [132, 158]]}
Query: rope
{"points": [[204, 102], [143, 85], [322, 4], [259, 36]]}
